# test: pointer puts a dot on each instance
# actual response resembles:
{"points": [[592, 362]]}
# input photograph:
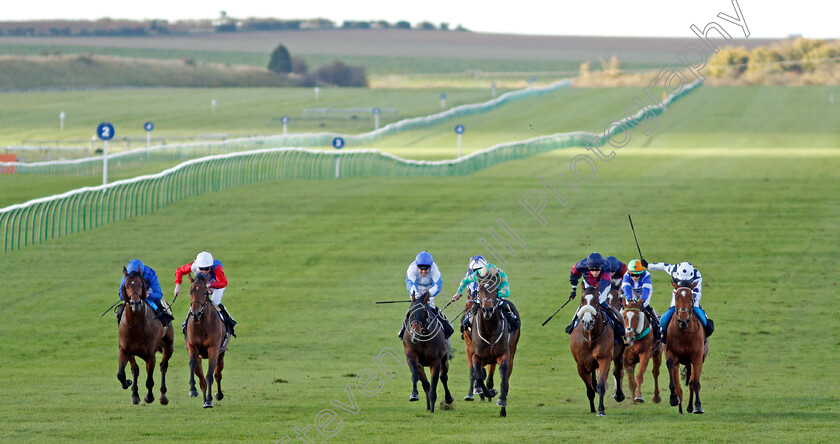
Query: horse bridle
{"points": [[479, 316], [424, 326], [690, 312], [597, 312], [139, 303], [197, 316]]}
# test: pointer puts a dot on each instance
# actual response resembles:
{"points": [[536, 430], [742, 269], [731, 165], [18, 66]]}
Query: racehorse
{"points": [[469, 310], [687, 345], [640, 348], [593, 347], [425, 346], [614, 300], [142, 335], [205, 335], [491, 342]]}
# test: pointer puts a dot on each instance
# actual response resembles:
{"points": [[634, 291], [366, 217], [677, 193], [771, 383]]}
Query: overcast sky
{"points": [[671, 18]]}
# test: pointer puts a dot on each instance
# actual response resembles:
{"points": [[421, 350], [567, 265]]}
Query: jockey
{"points": [[591, 269], [154, 295], [423, 276], [616, 269], [475, 263], [636, 285], [484, 272], [216, 284], [684, 275]]}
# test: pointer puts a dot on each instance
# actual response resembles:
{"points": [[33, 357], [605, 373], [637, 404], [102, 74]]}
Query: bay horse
{"points": [[593, 346], [425, 345], [687, 345], [640, 348], [469, 311], [204, 338], [615, 300], [142, 335], [491, 342]]}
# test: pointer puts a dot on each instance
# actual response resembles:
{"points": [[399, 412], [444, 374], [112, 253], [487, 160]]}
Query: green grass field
{"points": [[747, 192]]}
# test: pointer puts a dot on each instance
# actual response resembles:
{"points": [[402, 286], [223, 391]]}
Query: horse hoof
{"points": [[493, 392], [675, 401], [220, 396], [689, 409], [164, 400], [469, 398], [126, 385], [503, 412], [657, 399], [699, 410], [413, 398], [601, 414], [149, 399], [208, 405], [135, 400], [618, 397], [639, 399], [501, 402], [193, 393]]}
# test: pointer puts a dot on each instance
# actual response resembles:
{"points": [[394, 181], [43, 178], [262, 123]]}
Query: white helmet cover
{"points": [[477, 263], [684, 272], [204, 260]]}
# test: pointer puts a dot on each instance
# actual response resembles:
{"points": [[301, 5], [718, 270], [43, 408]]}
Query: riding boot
{"points": [[511, 317], [654, 323], [709, 327], [184, 325], [229, 321], [571, 325], [448, 330], [119, 311], [164, 317], [402, 328], [225, 342], [465, 323], [619, 326]]}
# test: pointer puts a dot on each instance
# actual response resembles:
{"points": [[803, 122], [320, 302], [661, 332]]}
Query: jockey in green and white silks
{"points": [[685, 275], [484, 272]]}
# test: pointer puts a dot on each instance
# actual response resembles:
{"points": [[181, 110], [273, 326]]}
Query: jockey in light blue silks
{"points": [[154, 295], [637, 286], [684, 275], [424, 276]]}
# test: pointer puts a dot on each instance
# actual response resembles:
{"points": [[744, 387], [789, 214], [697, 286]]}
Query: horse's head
{"points": [[589, 308], [419, 317], [684, 305], [634, 320], [134, 290], [487, 299], [199, 295]]}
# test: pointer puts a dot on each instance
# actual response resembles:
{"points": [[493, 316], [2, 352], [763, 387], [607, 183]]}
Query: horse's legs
{"points": [[631, 381], [212, 359], [164, 366], [444, 378], [219, 366], [478, 374], [674, 375], [415, 376], [644, 358], [431, 395], [490, 384], [603, 371], [123, 360], [695, 381], [618, 372], [468, 350], [505, 367], [135, 373], [150, 378], [193, 367], [590, 389], [657, 363]]}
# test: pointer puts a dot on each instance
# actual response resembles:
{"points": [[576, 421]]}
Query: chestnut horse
{"points": [[491, 342], [687, 345], [142, 335], [593, 347], [640, 348], [205, 335], [425, 345]]}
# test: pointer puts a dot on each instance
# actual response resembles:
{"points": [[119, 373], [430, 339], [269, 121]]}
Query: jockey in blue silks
{"points": [[154, 295], [684, 275], [637, 286], [423, 276]]}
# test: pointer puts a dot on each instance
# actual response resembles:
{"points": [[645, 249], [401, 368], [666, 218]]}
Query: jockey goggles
{"points": [[423, 267]]}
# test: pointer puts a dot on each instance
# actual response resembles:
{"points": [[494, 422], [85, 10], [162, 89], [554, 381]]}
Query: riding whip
{"points": [[558, 311], [390, 302], [109, 308], [634, 237]]}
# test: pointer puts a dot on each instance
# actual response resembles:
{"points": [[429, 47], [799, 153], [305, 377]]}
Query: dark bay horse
{"points": [[205, 335], [614, 300], [640, 348], [593, 347], [687, 345], [425, 345], [142, 335], [469, 311], [491, 342]]}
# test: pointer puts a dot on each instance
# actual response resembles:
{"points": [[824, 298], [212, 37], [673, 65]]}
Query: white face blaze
{"points": [[629, 316]]}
